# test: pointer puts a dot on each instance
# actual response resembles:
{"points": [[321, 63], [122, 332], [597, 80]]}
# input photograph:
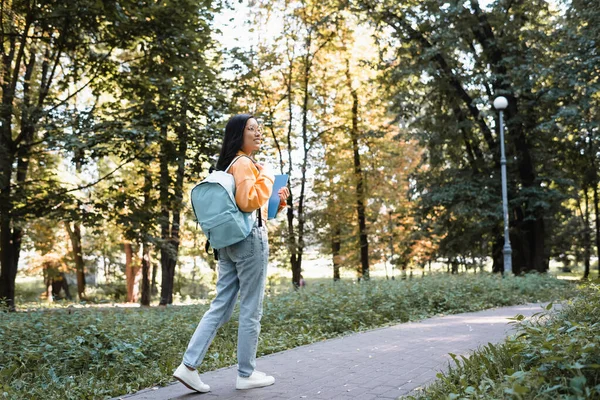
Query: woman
{"points": [[242, 266]]}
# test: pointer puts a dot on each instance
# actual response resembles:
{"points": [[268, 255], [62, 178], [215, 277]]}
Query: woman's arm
{"points": [[253, 184]]}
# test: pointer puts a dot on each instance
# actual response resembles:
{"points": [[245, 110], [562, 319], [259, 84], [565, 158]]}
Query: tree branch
{"points": [[63, 192], [93, 78], [446, 70], [2, 33], [17, 69]]}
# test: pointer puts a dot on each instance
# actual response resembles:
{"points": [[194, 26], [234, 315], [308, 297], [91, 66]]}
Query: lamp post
{"points": [[500, 104]]}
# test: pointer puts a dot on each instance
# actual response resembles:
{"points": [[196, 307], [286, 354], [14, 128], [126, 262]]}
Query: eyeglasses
{"points": [[255, 128]]}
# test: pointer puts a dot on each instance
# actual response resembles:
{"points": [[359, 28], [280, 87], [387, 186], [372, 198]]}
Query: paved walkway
{"points": [[382, 363]]}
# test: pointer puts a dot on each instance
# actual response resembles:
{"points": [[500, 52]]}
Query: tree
{"points": [[358, 175], [366, 164], [308, 28], [575, 122], [459, 57], [169, 95], [47, 46], [56, 50]]}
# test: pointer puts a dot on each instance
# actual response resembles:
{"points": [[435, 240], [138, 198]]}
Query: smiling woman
{"points": [[242, 265], [252, 137]]}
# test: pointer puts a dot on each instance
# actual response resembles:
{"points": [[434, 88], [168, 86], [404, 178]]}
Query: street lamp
{"points": [[500, 104]]}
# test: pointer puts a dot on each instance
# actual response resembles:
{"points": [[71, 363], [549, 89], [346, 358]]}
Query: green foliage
{"points": [[444, 64], [555, 356], [81, 354]]}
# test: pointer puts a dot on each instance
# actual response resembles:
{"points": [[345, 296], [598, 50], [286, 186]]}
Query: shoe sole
{"points": [[189, 387], [253, 387]]}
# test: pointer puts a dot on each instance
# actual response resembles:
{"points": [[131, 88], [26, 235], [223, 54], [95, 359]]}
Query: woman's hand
{"points": [[283, 193]]}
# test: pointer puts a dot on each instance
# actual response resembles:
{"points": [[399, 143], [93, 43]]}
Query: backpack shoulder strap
{"points": [[259, 210], [234, 160]]}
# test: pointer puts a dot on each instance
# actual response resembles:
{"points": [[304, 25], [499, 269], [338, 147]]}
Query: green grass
{"points": [[91, 354], [555, 356]]}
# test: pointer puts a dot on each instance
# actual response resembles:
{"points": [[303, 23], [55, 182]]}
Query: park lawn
{"points": [[553, 356], [92, 353]]}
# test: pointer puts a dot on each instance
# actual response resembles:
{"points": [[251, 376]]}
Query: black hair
{"points": [[232, 140]]}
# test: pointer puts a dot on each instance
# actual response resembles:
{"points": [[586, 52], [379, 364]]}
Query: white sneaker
{"points": [[191, 379], [256, 380]]}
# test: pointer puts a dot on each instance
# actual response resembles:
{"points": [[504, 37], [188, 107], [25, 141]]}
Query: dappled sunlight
{"points": [[450, 321], [469, 320], [568, 278]]}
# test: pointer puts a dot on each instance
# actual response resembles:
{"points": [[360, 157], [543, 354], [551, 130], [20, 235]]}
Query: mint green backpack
{"points": [[221, 220]]}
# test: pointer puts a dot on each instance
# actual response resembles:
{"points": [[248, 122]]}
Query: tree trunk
{"points": [[391, 229], [60, 282], [166, 289], [14, 63], [292, 240], [597, 220], [360, 196], [336, 246], [8, 258], [8, 274], [153, 286], [454, 266], [75, 236], [146, 262], [105, 266], [587, 243], [47, 274], [132, 273], [528, 240], [29, 117], [176, 206], [297, 267], [8, 151], [296, 257]]}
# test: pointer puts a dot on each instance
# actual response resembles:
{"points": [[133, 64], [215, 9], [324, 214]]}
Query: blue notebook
{"points": [[280, 181]]}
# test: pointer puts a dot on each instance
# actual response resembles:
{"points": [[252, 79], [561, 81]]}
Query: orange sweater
{"points": [[252, 187]]}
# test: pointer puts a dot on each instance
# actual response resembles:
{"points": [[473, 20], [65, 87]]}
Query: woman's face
{"points": [[252, 137]]}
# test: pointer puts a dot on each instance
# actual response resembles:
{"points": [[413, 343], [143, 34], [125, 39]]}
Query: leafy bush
{"points": [[555, 356], [92, 353]]}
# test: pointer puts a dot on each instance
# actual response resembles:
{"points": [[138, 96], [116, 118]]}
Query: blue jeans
{"points": [[243, 269]]}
